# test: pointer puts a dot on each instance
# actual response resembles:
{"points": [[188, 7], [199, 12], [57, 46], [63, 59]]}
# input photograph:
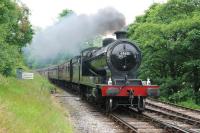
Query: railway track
{"points": [[184, 118], [86, 117], [156, 119], [152, 122], [174, 109], [133, 123], [174, 105], [161, 117], [181, 123]]}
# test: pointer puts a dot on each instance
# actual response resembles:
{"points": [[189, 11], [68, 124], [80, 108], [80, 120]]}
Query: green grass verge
{"points": [[27, 107], [188, 103]]}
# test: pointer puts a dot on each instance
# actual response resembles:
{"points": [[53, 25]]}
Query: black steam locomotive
{"points": [[106, 75]]}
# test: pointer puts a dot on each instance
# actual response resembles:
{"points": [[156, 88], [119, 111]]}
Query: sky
{"points": [[45, 12]]}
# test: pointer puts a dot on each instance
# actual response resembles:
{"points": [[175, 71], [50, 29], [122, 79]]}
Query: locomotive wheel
{"points": [[109, 105], [81, 93], [141, 105], [82, 96]]}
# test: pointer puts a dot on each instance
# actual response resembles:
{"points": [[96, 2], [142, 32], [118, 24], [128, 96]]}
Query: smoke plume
{"points": [[69, 33]]}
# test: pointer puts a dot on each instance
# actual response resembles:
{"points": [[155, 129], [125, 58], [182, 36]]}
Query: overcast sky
{"points": [[45, 12]]}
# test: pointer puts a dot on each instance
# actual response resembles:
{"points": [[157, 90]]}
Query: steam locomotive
{"points": [[106, 75]]}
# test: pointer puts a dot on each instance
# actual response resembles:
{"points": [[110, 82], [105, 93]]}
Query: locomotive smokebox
{"points": [[121, 34]]}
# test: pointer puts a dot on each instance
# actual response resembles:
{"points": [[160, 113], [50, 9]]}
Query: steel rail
{"points": [[123, 123], [175, 105], [172, 111], [175, 117], [167, 126]]}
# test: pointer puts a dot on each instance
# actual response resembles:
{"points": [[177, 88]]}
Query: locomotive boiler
{"points": [[118, 59], [106, 75]]}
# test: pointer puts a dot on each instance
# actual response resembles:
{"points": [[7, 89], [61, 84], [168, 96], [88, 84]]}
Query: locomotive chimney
{"points": [[121, 34], [107, 41]]}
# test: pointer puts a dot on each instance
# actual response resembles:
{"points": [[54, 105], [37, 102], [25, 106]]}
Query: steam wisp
{"points": [[69, 33]]}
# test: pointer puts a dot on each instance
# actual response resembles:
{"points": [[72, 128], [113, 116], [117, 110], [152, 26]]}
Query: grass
{"points": [[27, 107], [188, 103]]}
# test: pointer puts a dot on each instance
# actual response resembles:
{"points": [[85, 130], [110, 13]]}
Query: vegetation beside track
{"points": [[27, 106], [169, 37], [188, 103]]}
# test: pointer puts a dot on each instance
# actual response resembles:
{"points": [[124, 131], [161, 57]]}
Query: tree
{"points": [[168, 35], [66, 13], [16, 32]]}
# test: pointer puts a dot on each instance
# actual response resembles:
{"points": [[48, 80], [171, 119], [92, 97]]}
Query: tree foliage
{"points": [[169, 36], [15, 31], [65, 13]]}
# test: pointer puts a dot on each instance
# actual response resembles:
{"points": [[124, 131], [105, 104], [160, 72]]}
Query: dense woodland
{"points": [[168, 35], [15, 33]]}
